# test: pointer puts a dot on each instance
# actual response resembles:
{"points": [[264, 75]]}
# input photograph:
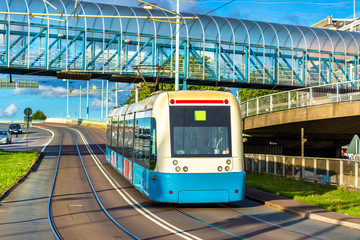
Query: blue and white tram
{"points": [[180, 147]]}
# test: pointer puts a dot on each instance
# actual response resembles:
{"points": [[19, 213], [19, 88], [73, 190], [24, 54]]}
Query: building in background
{"points": [[344, 24]]}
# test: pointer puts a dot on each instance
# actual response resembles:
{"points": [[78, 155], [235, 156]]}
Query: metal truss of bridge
{"points": [[87, 40]]}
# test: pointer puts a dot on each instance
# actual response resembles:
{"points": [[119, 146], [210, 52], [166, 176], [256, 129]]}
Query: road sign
{"points": [[354, 145], [27, 122], [27, 111]]}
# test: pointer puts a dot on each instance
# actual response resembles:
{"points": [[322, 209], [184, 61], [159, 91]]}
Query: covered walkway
{"points": [[82, 40]]}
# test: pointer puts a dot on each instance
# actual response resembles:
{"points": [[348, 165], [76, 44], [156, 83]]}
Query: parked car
{"points": [[5, 136], [15, 128]]}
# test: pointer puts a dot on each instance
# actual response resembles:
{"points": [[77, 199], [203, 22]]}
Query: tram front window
{"points": [[200, 131]]}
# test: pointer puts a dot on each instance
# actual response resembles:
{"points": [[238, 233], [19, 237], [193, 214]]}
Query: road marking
{"points": [[52, 137], [132, 202]]}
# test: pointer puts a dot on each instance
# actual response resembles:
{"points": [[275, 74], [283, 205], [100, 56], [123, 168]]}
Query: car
{"points": [[15, 128], [5, 136]]}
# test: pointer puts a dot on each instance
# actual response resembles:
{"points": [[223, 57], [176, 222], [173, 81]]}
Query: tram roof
{"points": [[210, 29]]}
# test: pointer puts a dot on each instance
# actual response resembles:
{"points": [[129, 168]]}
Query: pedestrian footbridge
{"points": [[82, 40]]}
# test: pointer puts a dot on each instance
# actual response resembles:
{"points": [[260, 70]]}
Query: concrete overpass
{"points": [[329, 120]]}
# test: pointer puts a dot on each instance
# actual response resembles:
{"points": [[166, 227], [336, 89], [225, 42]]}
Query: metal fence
{"points": [[304, 97], [331, 171]]}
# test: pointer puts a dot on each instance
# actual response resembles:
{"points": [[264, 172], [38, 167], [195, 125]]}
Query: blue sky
{"points": [[51, 96]]}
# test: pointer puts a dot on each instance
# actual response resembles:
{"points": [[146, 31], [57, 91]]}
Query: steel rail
{"points": [[205, 223], [97, 197], [50, 218], [267, 222], [132, 202]]}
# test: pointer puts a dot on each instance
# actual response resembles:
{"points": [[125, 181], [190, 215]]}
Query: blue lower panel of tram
{"points": [[198, 187], [182, 187]]}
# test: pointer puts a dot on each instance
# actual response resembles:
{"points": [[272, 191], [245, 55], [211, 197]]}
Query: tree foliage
{"points": [[246, 94], [39, 115], [144, 90]]}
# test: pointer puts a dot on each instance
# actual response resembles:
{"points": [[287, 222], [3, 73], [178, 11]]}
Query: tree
{"points": [[39, 115], [246, 94]]}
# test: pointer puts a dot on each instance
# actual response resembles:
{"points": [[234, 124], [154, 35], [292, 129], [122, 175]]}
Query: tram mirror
{"points": [[200, 115]]}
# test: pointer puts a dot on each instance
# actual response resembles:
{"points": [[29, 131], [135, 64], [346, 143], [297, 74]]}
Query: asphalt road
{"points": [[36, 139], [78, 216]]}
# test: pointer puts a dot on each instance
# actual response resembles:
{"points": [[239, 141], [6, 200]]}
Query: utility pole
{"points": [[303, 140], [67, 98], [87, 100], [80, 103], [102, 99], [177, 49]]}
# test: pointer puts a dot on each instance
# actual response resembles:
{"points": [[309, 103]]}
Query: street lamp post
{"points": [[177, 42], [107, 98], [67, 98], [87, 100], [80, 104], [102, 99]]}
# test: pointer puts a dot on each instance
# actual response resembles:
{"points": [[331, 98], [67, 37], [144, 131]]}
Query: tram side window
{"points": [[145, 145], [128, 145], [120, 138], [108, 132], [114, 133], [153, 144]]}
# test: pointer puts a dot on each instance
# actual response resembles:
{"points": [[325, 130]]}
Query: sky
{"points": [[51, 95]]}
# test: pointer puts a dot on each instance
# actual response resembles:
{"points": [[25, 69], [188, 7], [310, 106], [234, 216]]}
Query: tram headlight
{"points": [[185, 169], [178, 169], [227, 168], [228, 162], [220, 168], [175, 162]]}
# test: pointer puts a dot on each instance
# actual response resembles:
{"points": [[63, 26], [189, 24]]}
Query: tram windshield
{"points": [[199, 131]]}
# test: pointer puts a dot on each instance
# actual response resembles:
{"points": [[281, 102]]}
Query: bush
{"points": [[38, 115]]}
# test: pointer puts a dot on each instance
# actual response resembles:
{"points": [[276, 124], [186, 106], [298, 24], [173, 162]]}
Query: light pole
{"points": [[67, 98], [87, 100], [80, 104], [102, 98], [177, 42], [107, 98]]}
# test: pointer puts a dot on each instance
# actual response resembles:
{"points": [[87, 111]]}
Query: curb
{"points": [[9, 189], [310, 215]]}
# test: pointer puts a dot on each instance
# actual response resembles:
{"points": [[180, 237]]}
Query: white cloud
{"points": [[97, 103], [9, 111], [43, 90]]}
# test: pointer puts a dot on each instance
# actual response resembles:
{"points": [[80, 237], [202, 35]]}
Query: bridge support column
{"points": [[7, 32], [184, 84]]}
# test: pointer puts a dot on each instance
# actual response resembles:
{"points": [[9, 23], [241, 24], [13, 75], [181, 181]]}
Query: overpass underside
{"points": [[326, 127], [112, 42]]}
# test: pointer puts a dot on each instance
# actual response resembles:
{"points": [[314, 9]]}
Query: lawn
{"points": [[13, 165], [329, 197]]}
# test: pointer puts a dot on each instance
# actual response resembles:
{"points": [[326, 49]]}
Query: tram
{"points": [[180, 146]]}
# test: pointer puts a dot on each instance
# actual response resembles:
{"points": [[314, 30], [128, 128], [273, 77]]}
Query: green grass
{"points": [[13, 165], [329, 197]]}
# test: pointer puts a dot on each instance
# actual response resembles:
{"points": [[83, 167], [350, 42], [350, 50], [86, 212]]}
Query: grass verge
{"points": [[331, 198], [13, 166]]}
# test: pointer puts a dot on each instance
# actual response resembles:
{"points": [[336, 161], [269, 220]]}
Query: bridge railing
{"points": [[331, 171], [304, 97]]}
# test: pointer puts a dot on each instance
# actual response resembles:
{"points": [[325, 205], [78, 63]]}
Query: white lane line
{"points": [[132, 202], [52, 137]]}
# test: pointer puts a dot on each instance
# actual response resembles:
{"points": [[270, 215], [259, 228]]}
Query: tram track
{"points": [[52, 223], [131, 201], [226, 232]]}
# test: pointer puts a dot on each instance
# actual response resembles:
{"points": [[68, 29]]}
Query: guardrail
{"points": [[304, 97], [332, 171], [77, 121]]}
